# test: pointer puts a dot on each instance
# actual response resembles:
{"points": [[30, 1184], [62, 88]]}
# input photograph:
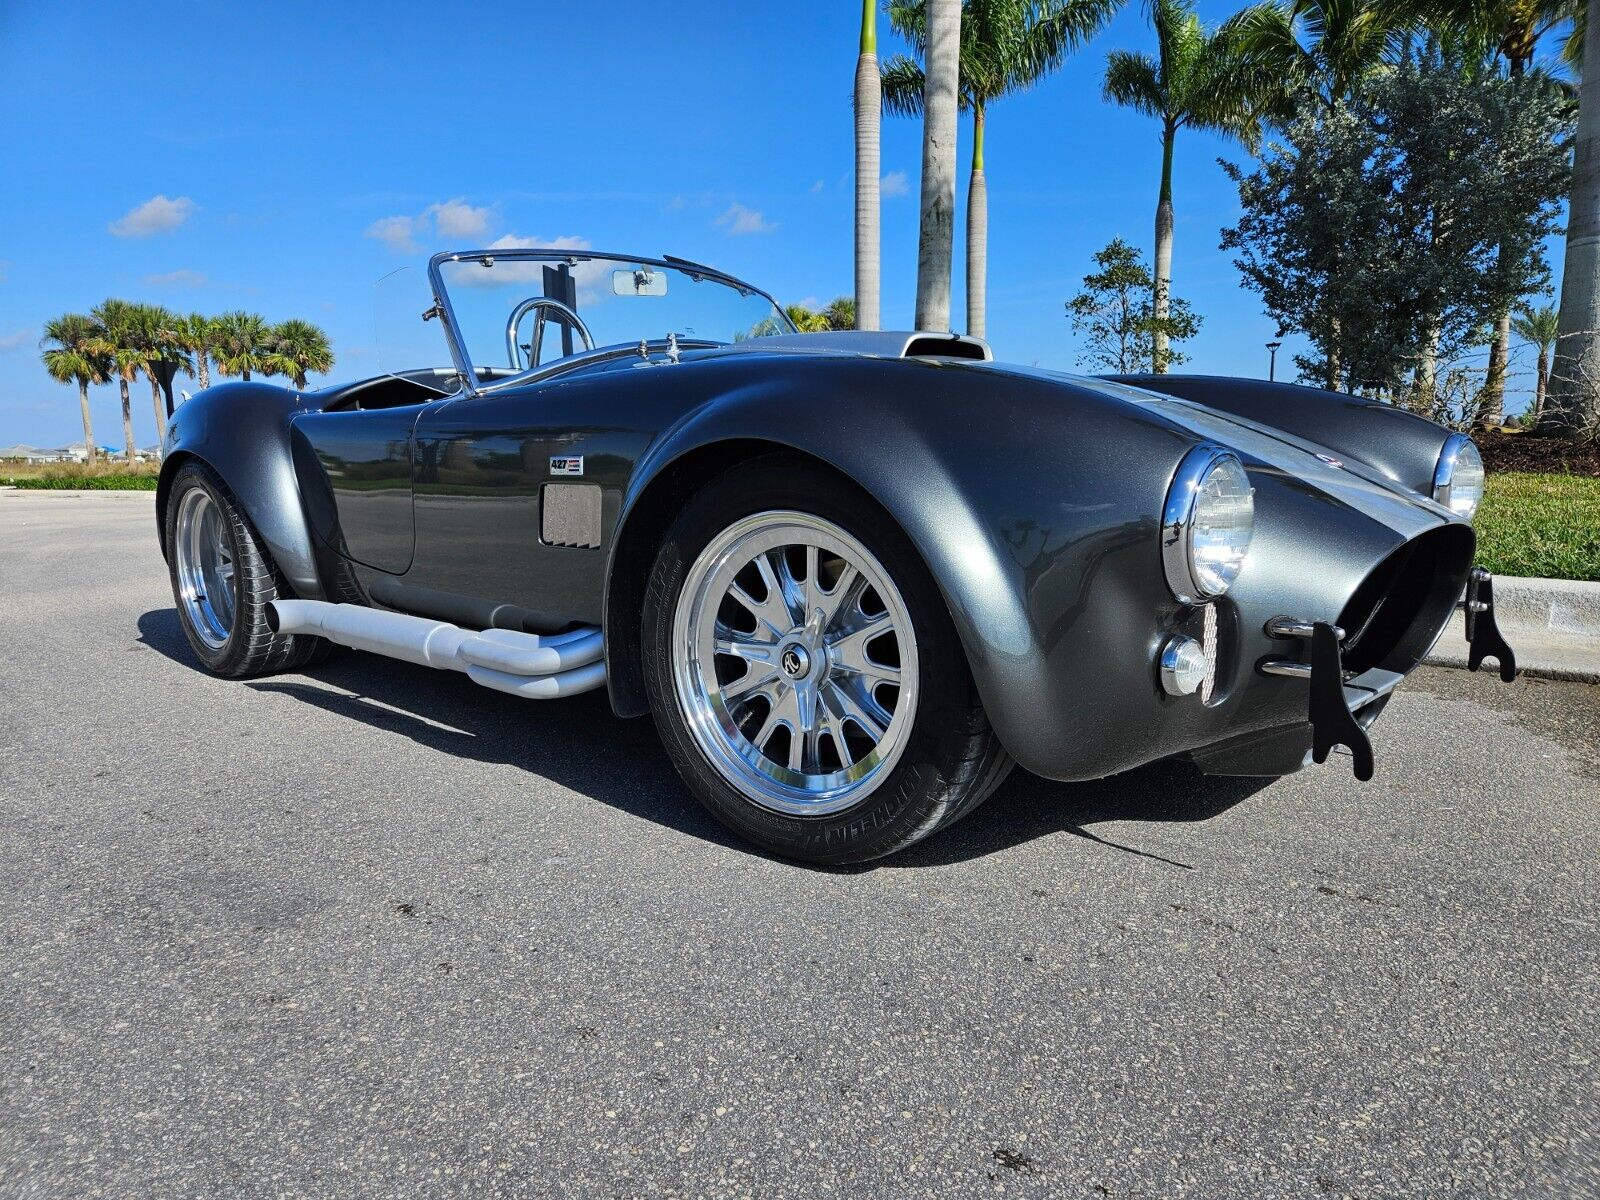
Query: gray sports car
{"points": [[855, 577]]}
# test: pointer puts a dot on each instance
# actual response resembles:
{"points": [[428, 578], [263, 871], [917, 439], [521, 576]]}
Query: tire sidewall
{"points": [[914, 796]]}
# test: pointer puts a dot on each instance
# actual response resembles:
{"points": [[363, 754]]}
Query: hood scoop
{"points": [[884, 343]]}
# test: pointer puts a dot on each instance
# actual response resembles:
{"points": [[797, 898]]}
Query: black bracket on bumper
{"points": [[1483, 634], [1332, 722]]}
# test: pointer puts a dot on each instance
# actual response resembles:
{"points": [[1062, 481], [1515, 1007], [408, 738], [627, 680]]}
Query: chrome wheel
{"points": [[205, 568], [795, 663]]}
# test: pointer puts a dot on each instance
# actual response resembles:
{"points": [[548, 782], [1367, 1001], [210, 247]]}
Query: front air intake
{"points": [[1396, 613]]}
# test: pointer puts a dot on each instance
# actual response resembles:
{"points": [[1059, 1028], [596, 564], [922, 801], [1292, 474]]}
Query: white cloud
{"points": [[11, 341], [586, 274], [457, 218], [739, 220], [894, 183], [156, 215], [395, 233], [816, 187], [183, 277]]}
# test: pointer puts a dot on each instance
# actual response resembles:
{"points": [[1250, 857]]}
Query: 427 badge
{"points": [[566, 464]]}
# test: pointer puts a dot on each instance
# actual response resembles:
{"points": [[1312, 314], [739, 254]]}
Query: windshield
{"points": [[517, 310]]}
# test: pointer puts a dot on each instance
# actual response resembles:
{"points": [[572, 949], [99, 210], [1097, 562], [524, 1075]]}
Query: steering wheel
{"points": [[541, 305]]}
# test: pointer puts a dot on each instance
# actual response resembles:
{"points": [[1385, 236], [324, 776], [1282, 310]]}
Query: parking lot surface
{"points": [[374, 931]]}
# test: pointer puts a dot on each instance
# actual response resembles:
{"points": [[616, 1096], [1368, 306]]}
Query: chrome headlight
{"points": [[1206, 524], [1458, 479]]}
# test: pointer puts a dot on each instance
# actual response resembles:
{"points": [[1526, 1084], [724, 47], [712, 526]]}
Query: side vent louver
{"points": [[570, 515]]}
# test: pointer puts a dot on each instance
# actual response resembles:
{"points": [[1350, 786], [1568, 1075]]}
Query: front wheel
{"points": [[804, 672], [223, 578]]}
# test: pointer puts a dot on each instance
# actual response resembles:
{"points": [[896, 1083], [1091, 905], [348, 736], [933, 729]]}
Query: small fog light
{"points": [[1183, 666]]}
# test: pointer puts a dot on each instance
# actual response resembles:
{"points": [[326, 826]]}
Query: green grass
{"points": [[103, 476], [89, 483], [1541, 525]]}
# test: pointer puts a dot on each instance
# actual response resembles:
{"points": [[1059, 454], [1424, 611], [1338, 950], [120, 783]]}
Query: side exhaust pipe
{"points": [[533, 666]]}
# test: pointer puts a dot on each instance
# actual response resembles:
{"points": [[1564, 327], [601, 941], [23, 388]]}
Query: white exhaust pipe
{"points": [[534, 666]]}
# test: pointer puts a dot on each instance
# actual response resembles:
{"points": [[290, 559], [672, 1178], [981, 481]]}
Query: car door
{"points": [[517, 493], [355, 469]]}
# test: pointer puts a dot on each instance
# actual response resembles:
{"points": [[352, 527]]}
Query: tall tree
{"points": [[1323, 49], [1376, 225], [194, 335], [156, 333], [1508, 31], [239, 344], [940, 96], [1575, 377], [1197, 78], [298, 348], [1006, 46], [73, 353], [1115, 315], [868, 100], [119, 342], [1539, 327]]}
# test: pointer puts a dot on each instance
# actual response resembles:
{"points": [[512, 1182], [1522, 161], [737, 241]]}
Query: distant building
{"points": [[32, 454]]}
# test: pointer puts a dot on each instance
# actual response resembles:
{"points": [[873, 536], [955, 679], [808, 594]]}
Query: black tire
{"points": [[952, 759], [250, 647]]}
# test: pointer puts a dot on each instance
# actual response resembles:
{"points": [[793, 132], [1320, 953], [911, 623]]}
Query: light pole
{"points": [[1272, 361]]}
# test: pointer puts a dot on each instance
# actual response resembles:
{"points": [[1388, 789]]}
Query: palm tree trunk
{"points": [[1163, 288], [1541, 385], [88, 425], [127, 420], [161, 410], [936, 243], [869, 109], [1333, 355], [977, 234], [245, 375], [205, 369], [1575, 377]]}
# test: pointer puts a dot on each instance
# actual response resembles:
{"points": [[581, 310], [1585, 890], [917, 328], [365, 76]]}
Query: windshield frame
{"points": [[442, 308]]}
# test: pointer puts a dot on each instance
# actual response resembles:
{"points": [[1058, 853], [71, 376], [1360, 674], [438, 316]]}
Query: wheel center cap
{"points": [[796, 662]]}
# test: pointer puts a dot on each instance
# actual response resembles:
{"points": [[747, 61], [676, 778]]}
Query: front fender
{"points": [[1065, 489], [241, 431]]}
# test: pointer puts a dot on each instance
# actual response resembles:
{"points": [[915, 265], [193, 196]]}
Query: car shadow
{"points": [[580, 744]]}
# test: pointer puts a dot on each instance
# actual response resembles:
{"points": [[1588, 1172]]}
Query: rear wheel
{"points": [[223, 579], [804, 672]]}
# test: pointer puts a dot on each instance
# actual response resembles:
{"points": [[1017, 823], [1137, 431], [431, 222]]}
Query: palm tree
{"points": [[117, 340], [1576, 373], [940, 94], [869, 258], [1539, 327], [1324, 48], [156, 333], [194, 335], [841, 313], [1200, 79], [806, 320], [1509, 30], [239, 344], [298, 347], [71, 346], [1006, 46]]}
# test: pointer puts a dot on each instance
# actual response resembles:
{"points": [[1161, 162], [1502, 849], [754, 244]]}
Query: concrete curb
{"points": [[1552, 624], [77, 493]]}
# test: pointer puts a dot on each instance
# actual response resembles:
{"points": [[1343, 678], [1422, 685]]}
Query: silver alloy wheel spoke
{"points": [[780, 689], [205, 568]]}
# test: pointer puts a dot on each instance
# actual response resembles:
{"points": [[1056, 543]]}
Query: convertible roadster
{"points": [[855, 576]]}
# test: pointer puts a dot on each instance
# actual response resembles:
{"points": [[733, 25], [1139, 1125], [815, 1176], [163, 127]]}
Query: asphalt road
{"points": [[373, 931]]}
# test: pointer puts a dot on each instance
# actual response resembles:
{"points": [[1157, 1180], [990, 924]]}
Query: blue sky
{"points": [[282, 158]]}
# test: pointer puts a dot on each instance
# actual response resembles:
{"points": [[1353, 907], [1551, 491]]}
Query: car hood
{"points": [[1265, 447]]}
